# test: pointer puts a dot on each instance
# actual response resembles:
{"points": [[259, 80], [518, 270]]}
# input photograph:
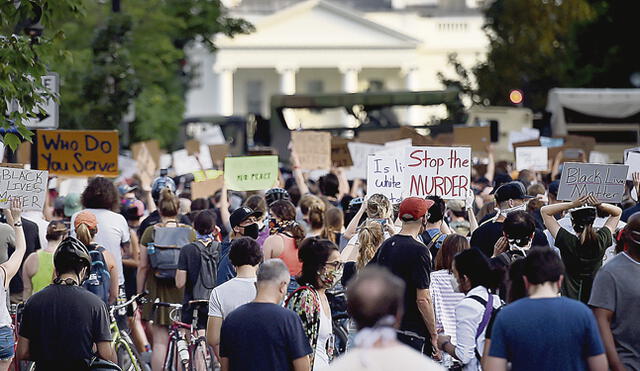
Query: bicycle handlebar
{"points": [[136, 298], [158, 303]]}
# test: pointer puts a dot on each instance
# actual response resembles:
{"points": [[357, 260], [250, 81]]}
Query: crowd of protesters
{"points": [[508, 278]]}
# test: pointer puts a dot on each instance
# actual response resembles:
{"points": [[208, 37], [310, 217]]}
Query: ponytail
{"points": [[84, 234], [370, 237], [316, 215]]}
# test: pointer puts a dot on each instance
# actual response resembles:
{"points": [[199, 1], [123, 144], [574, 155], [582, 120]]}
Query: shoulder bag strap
{"points": [[434, 240]]}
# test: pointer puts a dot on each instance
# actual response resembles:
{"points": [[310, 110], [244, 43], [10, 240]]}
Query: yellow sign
{"points": [[78, 152]]}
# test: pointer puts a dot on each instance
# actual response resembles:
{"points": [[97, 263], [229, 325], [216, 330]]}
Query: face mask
{"points": [[251, 230], [504, 212], [331, 278], [454, 284]]}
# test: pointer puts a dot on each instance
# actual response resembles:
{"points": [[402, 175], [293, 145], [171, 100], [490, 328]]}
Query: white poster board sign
{"points": [[28, 185], [385, 176], [359, 153], [522, 136], [605, 182], [439, 171], [532, 158], [633, 160]]}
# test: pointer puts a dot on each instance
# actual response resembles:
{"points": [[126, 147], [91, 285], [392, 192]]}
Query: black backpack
{"points": [[209, 261]]}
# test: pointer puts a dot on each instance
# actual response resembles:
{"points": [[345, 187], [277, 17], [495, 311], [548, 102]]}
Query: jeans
{"points": [[7, 342]]}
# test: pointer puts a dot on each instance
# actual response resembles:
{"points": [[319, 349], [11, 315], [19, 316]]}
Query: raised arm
{"points": [[614, 215], [350, 231], [491, 166], [12, 215], [549, 211], [224, 207], [343, 183]]}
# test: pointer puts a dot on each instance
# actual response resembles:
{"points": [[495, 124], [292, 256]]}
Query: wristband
{"points": [[17, 224]]}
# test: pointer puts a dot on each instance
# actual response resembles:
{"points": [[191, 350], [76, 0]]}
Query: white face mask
{"points": [[454, 284], [504, 212]]}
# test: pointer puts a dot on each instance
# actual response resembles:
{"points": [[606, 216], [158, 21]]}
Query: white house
{"points": [[321, 46]]}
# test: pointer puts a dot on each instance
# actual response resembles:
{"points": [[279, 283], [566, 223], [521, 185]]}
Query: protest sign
{"points": [[596, 157], [127, 167], [153, 146], [313, 149], [401, 143], [478, 137], [527, 143], [359, 153], [440, 171], [532, 158], [524, 134], [251, 173], [24, 153], [206, 183], [605, 182], [192, 146], [30, 186], [145, 164], [78, 152], [218, 152], [386, 135], [340, 156], [385, 176], [633, 160]]}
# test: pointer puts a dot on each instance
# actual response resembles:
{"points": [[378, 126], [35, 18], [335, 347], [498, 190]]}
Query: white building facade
{"points": [[320, 46]]}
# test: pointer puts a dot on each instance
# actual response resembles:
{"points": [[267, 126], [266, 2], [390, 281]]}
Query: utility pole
{"points": [[115, 6]]}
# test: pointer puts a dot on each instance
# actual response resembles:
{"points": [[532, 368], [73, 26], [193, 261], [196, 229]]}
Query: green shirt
{"points": [[44, 275], [581, 262]]}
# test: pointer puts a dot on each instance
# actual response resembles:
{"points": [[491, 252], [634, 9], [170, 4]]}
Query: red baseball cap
{"points": [[414, 208]]}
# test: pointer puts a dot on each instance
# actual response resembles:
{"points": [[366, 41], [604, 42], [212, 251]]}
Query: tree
{"points": [[147, 66], [22, 94]]}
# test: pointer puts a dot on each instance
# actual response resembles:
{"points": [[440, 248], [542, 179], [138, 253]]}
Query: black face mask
{"points": [[251, 230]]}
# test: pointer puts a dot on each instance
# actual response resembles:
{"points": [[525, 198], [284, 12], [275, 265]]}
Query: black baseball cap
{"points": [[553, 187], [511, 191], [241, 214]]}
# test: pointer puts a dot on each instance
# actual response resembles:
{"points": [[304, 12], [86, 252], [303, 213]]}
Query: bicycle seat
{"points": [[199, 304]]}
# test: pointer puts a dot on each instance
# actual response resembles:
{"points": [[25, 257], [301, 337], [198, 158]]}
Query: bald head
{"points": [[631, 232], [374, 294]]}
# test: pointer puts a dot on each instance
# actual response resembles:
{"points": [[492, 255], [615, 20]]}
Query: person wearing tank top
{"points": [[37, 271], [8, 270]]}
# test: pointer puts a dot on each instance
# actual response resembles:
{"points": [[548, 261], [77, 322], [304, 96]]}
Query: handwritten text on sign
{"points": [[28, 185], [78, 153], [251, 173], [440, 171], [605, 182], [384, 176]]}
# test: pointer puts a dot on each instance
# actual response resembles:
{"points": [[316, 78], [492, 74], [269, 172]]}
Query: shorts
{"points": [[7, 343]]}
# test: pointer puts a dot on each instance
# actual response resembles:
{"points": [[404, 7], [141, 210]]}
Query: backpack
{"points": [[164, 251], [209, 260], [99, 279]]}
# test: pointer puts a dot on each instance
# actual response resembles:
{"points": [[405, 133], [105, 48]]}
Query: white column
{"points": [[287, 79], [349, 78], [411, 83], [225, 89]]}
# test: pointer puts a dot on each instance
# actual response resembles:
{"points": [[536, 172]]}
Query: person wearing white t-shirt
{"points": [[245, 254], [100, 198]]}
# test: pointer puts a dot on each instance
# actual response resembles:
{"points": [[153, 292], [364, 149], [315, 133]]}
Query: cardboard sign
{"points": [[24, 153], [218, 152], [478, 137], [251, 173], [527, 143], [340, 155], [153, 146], [386, 135], [385, 176], [206, 183], [605, 182], [28, 185], [313, 149], [146, 165], [359, 153], [192, 146], [532, 158], [440, 171], [78, 152], [633, 161]]}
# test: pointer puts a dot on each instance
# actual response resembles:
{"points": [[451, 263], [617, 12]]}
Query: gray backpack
{"points": [[164, 251], [209, 260]]}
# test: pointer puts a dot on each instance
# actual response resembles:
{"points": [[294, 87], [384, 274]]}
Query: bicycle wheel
{"points": [[202, 357], [128, 357]]}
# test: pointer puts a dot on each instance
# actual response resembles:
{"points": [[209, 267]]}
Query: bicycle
{"points": [[128, 356], [187, 349]]}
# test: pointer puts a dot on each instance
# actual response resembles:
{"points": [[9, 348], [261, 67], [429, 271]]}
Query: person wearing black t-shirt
{"points": [[409, 259], [510, 197], [62, 322]]}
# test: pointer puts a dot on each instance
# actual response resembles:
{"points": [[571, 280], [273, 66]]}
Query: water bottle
{"points": [[183, 351], [151, 248]]}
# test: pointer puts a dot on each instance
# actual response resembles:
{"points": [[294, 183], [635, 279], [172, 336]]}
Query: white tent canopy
{"points": [[610, 103]]}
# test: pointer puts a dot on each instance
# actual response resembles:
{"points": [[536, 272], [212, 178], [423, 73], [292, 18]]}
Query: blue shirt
{"points": [[225, 268], [546, 334], [628, 212]]}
